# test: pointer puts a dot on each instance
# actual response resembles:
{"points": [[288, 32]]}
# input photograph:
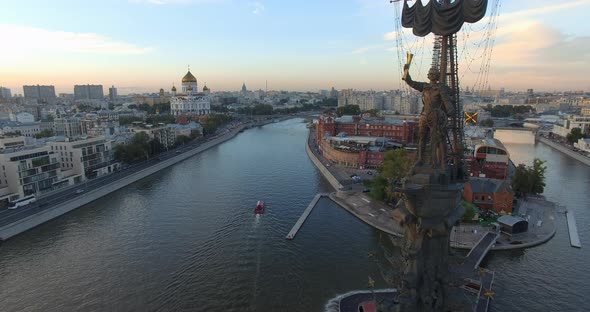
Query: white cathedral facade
{"points": [[190, 101]]}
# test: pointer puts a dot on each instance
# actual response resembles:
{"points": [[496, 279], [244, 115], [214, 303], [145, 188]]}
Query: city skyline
{"points": [[145, 45]]}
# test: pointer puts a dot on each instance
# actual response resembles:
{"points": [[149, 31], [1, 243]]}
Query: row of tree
{"points": [[509, 110], [212, 122], [161, 108], [140, 148], [47, 133], [267, 109], [575, 134], [348, 110], [151, 119]]}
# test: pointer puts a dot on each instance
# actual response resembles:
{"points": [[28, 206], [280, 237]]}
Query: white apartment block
{"points": [[164, 134], [87, 158], [28, 170], [70, 127], [583, 144], [582, 122], [28, 130], [12, 142]]}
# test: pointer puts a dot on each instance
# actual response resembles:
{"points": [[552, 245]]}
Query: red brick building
{"points": [[489, 194], [359, 158], [402, 131]]}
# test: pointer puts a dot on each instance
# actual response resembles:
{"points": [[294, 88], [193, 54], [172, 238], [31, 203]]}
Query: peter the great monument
{"points": [[431, 193]]}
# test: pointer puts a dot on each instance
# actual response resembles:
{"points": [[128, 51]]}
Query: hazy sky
{"points": [[144, 45]]}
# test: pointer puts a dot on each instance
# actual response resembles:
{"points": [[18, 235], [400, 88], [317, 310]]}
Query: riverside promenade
{"points": [[14, 222], [566, 149], [350, 196]]}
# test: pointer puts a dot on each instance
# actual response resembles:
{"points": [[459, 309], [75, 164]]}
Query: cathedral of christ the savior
{"points": [[190, 101]]}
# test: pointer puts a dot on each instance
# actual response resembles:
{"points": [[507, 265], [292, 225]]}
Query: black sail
{"points": [[442, 20]]}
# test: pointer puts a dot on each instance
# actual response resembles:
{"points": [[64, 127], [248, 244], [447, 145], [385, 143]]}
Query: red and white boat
{"points": [[259, 207]]}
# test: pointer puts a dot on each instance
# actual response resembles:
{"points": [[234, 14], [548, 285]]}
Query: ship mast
{"points": [[446, 59]]}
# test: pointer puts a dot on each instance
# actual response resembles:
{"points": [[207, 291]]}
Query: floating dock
{"points": [[573, 229], [304, 216]]}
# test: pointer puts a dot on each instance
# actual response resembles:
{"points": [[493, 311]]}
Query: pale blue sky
{"points": [[295, 45]]}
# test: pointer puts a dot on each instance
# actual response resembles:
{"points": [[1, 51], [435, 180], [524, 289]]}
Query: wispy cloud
{"points": [[547, 9], [365, 49], [258, 8], [25, 39]]}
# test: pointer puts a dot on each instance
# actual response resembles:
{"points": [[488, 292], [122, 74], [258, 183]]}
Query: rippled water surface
{"points": [[187, 239]]}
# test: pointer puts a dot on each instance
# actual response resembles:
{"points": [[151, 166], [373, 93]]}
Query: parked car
{"points": [[79, 191]]}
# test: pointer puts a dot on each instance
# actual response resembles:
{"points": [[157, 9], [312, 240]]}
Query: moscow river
{"points": [[187, 239]]}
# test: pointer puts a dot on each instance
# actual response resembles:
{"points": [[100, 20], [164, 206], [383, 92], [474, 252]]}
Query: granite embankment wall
{"points": [[565, 150], [41, 217], [323, 169]]}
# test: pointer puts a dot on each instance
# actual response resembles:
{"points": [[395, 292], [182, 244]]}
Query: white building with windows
{"points": [[190, 101], [87, 158], [28, 170]]}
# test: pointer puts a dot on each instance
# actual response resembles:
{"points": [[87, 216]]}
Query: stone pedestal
{"points": [[429, 209]]}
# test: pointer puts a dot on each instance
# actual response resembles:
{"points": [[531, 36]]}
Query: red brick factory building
{"points": [[357, 142]]}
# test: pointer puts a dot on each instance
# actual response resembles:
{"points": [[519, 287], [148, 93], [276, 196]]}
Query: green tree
{"points": [[137, 150], [574, 135], [47, 133], [538, 176], [530, 179], [372, 112], [213, 122], [181, 139], [396, 164], [156, 119], [219, 108], [125, 120], [348, 110], [470, 211], [378, 188], [487, 123]]}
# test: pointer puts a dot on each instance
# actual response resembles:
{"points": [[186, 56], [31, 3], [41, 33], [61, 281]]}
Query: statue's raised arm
{"points": [[418, 86]]}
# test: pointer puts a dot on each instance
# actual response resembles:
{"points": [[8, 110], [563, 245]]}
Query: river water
{"points": [[187, 239]]}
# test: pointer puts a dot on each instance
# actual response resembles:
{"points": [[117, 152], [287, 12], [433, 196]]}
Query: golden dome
{"points": [[189, 77], [174, 88], [205, 88]]}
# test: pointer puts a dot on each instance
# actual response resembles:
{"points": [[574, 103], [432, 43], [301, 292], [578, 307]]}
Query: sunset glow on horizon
{"points": [[145, 45]]}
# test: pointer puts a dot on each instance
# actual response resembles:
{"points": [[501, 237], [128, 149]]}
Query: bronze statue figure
{"points": [[438, 107]]}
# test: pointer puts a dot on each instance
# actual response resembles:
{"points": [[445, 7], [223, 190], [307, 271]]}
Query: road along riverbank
{"points": [[38, 217], [560, 147]]}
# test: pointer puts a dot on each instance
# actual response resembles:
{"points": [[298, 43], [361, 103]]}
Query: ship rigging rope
{"points": [[476, 48]]}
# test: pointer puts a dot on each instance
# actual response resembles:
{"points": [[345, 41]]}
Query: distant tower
{"points": [[161, 92], [206, 89], [244, 90], [112, 93], [173, 90]]}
